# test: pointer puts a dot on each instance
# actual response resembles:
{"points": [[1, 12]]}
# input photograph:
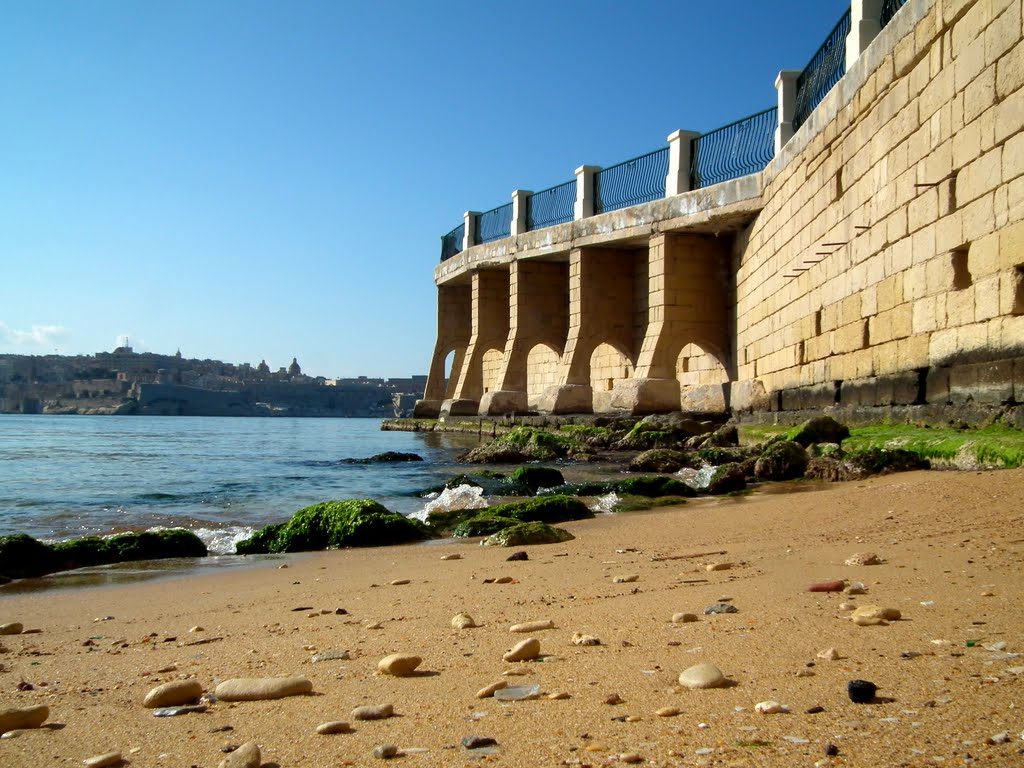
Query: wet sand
{"points": [[952, 545]]}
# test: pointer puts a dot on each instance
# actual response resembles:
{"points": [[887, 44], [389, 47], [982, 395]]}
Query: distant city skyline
{"points": [[268, 181]]}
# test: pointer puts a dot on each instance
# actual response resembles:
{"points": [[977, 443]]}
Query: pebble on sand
{"points": [[829, 653], [12, 628], [399, 582], [333, 726], [720, 608], [717, 567], [463, 621], [704, 675], [451, 557], [827, 586], [336, 655], [246, 756], [488, 691], [668, 711], [475, 742], [102, 761], [373, 712], [399, 664], [385, 751], [526, 650], [869, 615], [173, 694], [861, 691], [578, 639], [770, 707], [627, 579], [532, 626], [260, 688], [684, 618], [15, 718], [863, 558]]}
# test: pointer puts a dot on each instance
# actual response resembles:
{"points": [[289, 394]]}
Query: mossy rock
{"points": [[523, 534], [522, 444], [825, 450], [627, 503], [126, 547], [536, 477], [821, 429], [260, 542], [654, 486], [660, 460], [725, 436], [544, 509], [22, 557], [716, 455], [875, 461], [727, 478], [483, 524], [784, 460], [594, 488], [350, 523], [830, 469]]}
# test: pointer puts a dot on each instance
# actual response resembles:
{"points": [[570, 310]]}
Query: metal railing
{"points": [[737, 149], [823, 71], [889, 8], [451, 243], [551, 206], [494, 224], [635, 181]]}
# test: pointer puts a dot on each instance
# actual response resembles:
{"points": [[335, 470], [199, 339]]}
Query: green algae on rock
{"points": [[523, 534], [782, 460], [654, 486], [483, 524], [330, 524], [537, 477]]}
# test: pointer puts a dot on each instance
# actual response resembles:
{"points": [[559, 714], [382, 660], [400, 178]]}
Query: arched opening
{"points": [[542, 369], [449, 383], [607, 366], [702, 378], [491, 365]]}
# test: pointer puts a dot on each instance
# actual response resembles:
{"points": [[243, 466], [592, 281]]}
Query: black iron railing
{"points": [[823, 71], [889, 8], [452, 242], [551, 206], [635, 181], [494, 224], [737, 149]]}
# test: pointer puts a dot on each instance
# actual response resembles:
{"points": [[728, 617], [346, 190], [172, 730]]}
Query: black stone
{"points": [[475, 742], [815, 710], [861, 691], [831, 750], [520, 555]]}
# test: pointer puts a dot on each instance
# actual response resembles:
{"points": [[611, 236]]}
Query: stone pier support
{"points": [[454, 303], [538, 299], [688, 304]]}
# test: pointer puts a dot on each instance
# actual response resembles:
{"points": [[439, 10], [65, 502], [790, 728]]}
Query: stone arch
{"points": [[452, 364], [542, 371], [703, 378], [491, 364], [608, 364]]}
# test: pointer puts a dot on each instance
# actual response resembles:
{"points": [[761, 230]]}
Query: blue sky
{"points": [[250, 180]]}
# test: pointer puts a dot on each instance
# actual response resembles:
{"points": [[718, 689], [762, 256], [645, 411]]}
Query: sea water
{"points": [[69, 476]]}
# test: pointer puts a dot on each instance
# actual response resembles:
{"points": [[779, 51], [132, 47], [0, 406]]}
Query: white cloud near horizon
{"points": [[38, 336]]}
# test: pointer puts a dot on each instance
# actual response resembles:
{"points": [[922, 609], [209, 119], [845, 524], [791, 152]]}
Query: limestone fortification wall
{"points": [[887, 264]]}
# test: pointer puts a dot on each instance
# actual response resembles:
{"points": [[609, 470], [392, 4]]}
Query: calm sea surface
{"points": [[69, 476]]}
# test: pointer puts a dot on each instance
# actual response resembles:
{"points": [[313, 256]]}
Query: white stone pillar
{"points": [[469, 234], [865, 24], [519, 207], [680, 160], [584, 205], [785, 86]]}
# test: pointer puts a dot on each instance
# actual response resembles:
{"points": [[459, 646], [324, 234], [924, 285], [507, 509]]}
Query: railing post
{"points": [[584, 205], [469, 234], [785, 86], [519, 208], [865, 24], [680, 162]]}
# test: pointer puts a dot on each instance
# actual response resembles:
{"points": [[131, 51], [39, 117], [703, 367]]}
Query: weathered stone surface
{"points": [[524, 651], [702, 675], [532, 626], [332, 727], [580, 639], [104, 760], [385, 751], [683, 618], [463, 621], [659, 460], [246, 756], [488, 690], [399, 664], [705, 398], [821, 429], [12, 628], [172, 694], [335, 655], [783, 460], [373, 712], [727, 478], [827, 586], [869, 615], [259, 688], [864, 558], [13, 718]]}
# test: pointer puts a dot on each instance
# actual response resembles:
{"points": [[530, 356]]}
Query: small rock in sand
{"points": [[770, 707], [628, 579], [631, 757], [373, 712], [503, 580], [15, 718], [847, 606], [102, 761], [532, 626], [173, 694], [612, 699], [12, 628], [861, 691], [463, 621], [524, 651], [703, 675], [578, 639], [668, 712], [475, 742], [246, 756], [488, 691], [856, 588], [399, 664], [399, 582], [184, 709], [518, 556], [869, 615], [863, 558], [829, 653], [717, 567], [683, 618], [332, 727], [827, 586], [451, 557], [558, 696], [385, 751], [331, 656], [259, 688], [720, 608]]}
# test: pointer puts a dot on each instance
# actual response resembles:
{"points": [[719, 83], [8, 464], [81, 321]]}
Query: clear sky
{"points": [[250, 180]]}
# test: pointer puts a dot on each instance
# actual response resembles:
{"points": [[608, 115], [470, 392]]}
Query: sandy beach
{"points": [[952, 546]]}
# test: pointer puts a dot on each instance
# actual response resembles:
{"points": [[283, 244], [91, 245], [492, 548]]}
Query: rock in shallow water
{"points": [[173, 694], [260, 688], [524, 651], [399, 664], [703, 675], [246, 756], [14, 718]]}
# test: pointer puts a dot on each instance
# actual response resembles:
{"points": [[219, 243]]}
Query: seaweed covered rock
{"points": [[22, 557], [875, 461], [654, 486], [783, 460], [830, 469], [544, 509], [533, 478], [659, 460], [716, 455], [388, 457], [727, 478], [483, 524], [350, 523], [627, 503], [590, 488], [725, 436], [125, 547], [523, 534], [821, 429], [525, 444]]}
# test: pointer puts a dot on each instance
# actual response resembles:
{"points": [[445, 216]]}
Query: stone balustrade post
{"points": [[469, 218], [520, 203], [785, 86], [680, 162], [865, 24], [584, 205]]}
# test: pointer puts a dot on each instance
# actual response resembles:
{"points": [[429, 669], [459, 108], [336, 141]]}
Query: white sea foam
{"points": [[451, 499], [697, 478], [219, 541], [605, 503]]}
